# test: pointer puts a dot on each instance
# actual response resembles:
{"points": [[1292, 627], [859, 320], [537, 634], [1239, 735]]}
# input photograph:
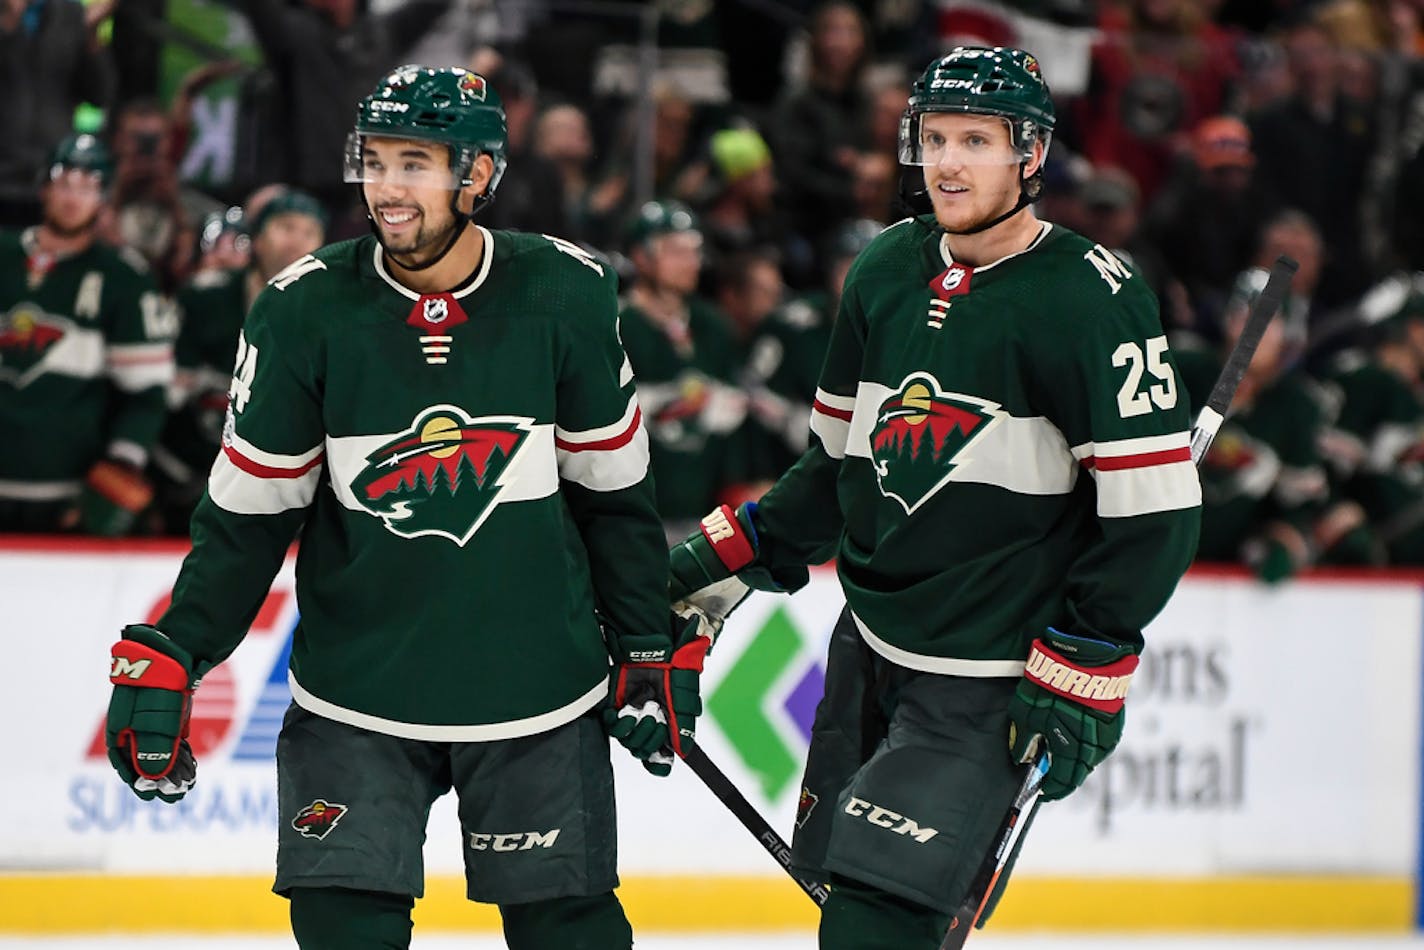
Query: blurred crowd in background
{"points": [[731, 159]]}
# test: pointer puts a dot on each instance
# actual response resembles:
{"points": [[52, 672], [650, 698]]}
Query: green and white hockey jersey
{"points": [[85, 356], [469, 471], [695, 412], [782, 370], [998, 449], [212, 308]]}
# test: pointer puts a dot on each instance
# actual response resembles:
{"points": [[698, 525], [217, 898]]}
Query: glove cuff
{"points": [[168, 661], [731, 535], [1100, 686]]}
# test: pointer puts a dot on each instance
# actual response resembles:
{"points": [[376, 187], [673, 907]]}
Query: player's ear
{"points": [[480, 174], [1035, 162]]}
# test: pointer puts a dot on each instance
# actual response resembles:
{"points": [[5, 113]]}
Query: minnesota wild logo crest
{"points": [[443, 475], [919, 432]]}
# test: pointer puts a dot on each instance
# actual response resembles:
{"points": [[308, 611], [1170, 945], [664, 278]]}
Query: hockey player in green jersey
{"points": [[446, 416], [682, 349], [1000, 463], [85, 356], [784, 361], [212, 307]]}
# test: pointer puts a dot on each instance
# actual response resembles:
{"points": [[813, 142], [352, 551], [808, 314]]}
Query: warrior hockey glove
{"points": [[115, 492], [714, 569], [147, 726], [655, 699], [1069, 704]]}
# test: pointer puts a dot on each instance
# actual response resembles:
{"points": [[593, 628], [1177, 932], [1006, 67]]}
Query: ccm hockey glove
{"points": [[655, 700], [147, 726], [1069, 704]]}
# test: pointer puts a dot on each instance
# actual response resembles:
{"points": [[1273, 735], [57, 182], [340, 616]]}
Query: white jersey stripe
{"points": [[243, 492], [1142, 490], [422, 732], [831, 430], [944, 665], [139, 366]]}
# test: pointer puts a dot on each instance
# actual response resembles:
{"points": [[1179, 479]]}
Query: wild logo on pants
{"points": [[317, 819]]}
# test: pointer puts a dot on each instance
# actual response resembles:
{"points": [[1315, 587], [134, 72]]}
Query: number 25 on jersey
{"points": [[1161, 390]]}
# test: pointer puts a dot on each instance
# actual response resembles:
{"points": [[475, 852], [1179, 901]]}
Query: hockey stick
{"points": [[766, 836], [1208, 423]]}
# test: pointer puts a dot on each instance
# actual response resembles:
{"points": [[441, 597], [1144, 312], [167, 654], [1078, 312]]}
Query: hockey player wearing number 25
{"points": [[445, 414], [1000, 464]]}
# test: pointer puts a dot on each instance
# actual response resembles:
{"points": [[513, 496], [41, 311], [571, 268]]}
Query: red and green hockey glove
{"points": [[715, 568], [147, 726], [115, 492], [1069, 704], [655, 700]]}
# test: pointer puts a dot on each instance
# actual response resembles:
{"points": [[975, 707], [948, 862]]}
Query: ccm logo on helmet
{"points": [[381, 105], [943, 82], [885, 818]]}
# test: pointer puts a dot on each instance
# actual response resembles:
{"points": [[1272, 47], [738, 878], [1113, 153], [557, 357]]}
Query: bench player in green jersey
{"points": [[1000, 464], [445, 414], [85, 355], [212, 306]]}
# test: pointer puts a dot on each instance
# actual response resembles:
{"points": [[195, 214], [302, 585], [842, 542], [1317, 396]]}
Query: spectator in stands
{"points": [[1156, 73], [1292, 234], [1317, 146], [1111, 216], [1206, 221], [531, 191], [85, 357], [741, 212], [562, 138], [875, 186], [326, 55], [147, 210], [213, 305], [684, 357], [819, 129], [51, 60]]}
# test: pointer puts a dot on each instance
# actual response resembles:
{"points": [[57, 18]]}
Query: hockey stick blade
{"points": [[1262, 310], [766, 836], [1208, 422]]}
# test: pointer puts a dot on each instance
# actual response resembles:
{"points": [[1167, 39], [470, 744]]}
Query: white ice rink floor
{"points": [[985, 941]]}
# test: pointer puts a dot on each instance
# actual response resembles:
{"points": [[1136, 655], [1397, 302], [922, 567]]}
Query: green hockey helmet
{"points": [[980, 80], [290, 201], [449, 106], [82, 152], [660, 217]]}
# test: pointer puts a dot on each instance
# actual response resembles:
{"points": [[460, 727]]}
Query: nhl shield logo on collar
{"points": [[436, 314], [436, 309]]}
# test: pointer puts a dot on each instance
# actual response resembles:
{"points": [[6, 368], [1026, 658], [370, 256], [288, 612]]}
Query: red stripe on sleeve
{"points": [[268, 471], [604, 445], [825, 410], [1114, 463]]}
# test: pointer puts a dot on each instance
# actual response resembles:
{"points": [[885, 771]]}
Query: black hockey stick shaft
{"points": [[1203, 432], [751, 819]]}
